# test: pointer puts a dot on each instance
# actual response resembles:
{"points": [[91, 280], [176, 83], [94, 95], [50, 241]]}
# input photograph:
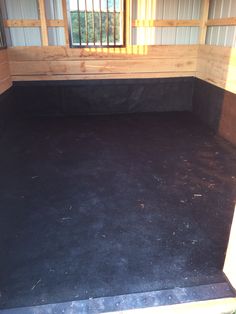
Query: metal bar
{"points": [[107, 24], [79, 22], [86, 20], [94, 38], [114, 16], [100, 5]]}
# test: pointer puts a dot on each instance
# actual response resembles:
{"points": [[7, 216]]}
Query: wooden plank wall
{"points": [[5, 77], [62, 63], [217, 65]]}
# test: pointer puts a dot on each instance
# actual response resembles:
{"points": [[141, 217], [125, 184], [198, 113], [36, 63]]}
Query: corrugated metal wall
{"points": [[165, 9], [141, 10], [28, 9], [21, 9], [222, 35]]}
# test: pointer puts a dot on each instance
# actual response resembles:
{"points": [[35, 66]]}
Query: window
{"points": [[95, 23], [2, 34]]}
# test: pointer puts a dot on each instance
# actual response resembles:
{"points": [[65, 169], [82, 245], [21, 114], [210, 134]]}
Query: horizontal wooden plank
{"points": [[164, 23], [3, 55], [222, 22], [22, 23], [5, 84], [102, 76], [4, 71], [32, 23], [55, 23], [102, 66], [130, 52]]}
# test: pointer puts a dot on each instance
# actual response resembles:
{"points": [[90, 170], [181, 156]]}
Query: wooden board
{"points": [[133, 62], [165, 23], [131, 52], [229, 266], [217, 65], [5, 79]]}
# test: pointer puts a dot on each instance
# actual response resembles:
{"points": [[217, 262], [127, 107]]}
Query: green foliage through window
{"points": [[97, 22]]}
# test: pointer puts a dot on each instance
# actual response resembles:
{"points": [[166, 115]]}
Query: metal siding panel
{"points": [[56, 36]]}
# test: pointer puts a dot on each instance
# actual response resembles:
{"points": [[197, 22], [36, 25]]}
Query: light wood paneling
{"points": [[44, 30], [164, 23], [217, 65], [229, 266], [204, 18], [5, 79], [33, 23], [133, 62], [222, 22]]}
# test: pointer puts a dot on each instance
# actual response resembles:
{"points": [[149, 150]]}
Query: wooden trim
{"points": [[22, 23], [33, 23], [62, 53], [222, 22], [165, 23], [127, 22], [229, 266], [65, 19], [55, 23], [204, 19], [44, 29], [5, 84], [102, 76]]}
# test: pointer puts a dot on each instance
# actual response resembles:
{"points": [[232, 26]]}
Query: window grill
{"points": [[97, 23], [2, 34]]}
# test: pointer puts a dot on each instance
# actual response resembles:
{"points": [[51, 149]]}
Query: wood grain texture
{"points": [[217, 65], [204, 19], [130, 62], [130, 52], [5, 78], [43, 20], [229, 266], [165, 23], [222, 22]]}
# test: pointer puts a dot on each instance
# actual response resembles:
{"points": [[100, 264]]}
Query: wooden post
{"points": [[230, 260], [43, 20], [128, 23], [65, 18], [204, 19]]}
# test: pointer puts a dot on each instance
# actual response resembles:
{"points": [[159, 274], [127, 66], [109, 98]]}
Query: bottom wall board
{"points": [[216, 107], [104, 96], [97, 206]]}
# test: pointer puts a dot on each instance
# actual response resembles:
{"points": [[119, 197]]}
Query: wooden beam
{"points": [[229, 266], [222, 22], [44, 29], [65, 18], [32, 23], [130, 52], [55, 23], [22, 23], [164, 23], [128, 22], [203, 21]]}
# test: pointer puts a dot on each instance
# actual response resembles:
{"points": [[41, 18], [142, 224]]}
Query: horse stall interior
{"points": [[118, 157]]}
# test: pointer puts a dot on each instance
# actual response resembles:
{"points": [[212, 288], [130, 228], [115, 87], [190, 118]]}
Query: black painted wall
{"points": [[7, 110], [104, 96], [113, 96], [207, 103]]}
